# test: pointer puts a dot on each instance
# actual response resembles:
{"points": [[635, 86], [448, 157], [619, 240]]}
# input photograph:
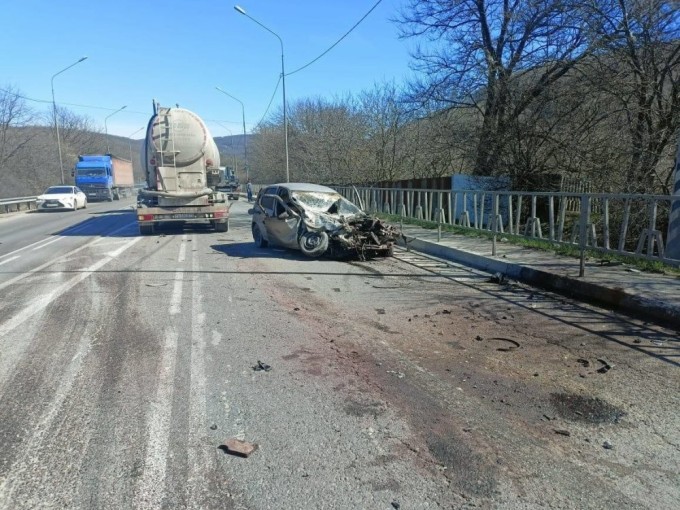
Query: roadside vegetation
{"points": [[526, 91]]}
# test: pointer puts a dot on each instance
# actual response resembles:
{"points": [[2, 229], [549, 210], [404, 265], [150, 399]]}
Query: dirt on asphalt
{"points": [[503, 388]]}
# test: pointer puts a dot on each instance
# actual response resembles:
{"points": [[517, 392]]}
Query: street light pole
{"points": [[54, 113], [106, 129], [240, 10], [245, 140]]}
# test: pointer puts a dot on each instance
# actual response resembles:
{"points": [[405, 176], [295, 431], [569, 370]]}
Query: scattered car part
{"points": [[239, 448], [261, 367]]}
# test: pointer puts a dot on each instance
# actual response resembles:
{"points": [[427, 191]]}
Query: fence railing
{"points": [[631, 225], [8, 205]]}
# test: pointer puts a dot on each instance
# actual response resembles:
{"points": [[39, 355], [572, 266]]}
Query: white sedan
{"points": [[61, 197]]}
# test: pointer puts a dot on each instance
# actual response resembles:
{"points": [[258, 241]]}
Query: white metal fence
{"points": [[632, 225]]}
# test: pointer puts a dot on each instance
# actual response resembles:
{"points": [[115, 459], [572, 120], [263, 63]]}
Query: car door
{"points": [[283, 224], [264, 210]]}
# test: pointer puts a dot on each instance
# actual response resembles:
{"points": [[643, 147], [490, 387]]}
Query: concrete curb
{"points": [[615, 298]]}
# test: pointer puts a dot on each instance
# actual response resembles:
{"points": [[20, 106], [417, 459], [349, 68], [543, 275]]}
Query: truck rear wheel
{"points": [[146, 230], [221, 226]]}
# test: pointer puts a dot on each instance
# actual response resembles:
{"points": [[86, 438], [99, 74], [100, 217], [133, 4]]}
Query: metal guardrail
{"points": [[8, 205], [631, 225]]}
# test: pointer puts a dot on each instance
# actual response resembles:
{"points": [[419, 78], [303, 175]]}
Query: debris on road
{"points": [[157, 284], [607, 445], [396, 505], [583, 362], [498, 278], [562, 432], [213, 427], [400, 375], [515, 344], [261, 367], [606, 366], [381, 311], [239, 448]]}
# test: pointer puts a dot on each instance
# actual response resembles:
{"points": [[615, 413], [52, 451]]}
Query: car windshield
{"points": [[332, 203], [58, 190], [91, 172]]}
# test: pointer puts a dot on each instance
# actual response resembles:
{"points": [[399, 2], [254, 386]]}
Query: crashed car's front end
{"points": [[349, 231]]}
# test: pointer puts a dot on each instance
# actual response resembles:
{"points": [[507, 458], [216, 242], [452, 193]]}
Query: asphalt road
{"points": [[126, 361]]}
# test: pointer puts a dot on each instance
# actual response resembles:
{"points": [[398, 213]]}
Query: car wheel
{"points": [[260, 241], [85, 204], [314, 244]]}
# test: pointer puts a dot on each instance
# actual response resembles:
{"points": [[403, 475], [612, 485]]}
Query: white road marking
{"points": [[199, 451], [182, 249], [47, 243], [59, 259], [41, 302], [9, 260], [22, 249], [26, 463], [176, 298], [151, 488]]}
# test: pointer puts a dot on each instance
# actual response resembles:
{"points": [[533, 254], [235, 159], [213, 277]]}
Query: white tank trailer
{"points": [[181, 163]]}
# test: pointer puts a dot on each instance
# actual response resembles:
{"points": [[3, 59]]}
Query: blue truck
{"points": [[104, 176]]}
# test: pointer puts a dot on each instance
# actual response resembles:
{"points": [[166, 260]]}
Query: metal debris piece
{"points": [[213, 427], [239, 448], [515, 344], [562, 432], [396, 505], [583, 362], [498, 278], [607, 445], [261, 367], [606, 366], [156, 284]]}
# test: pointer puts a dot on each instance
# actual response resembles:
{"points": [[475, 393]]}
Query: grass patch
{"points": [[565, 250]]}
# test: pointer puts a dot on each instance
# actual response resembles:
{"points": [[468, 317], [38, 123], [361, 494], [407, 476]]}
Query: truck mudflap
{"points": [[150, 215]]}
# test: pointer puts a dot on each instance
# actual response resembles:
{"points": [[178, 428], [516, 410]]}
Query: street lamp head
{"points": [[240, 9], [82, 58]]}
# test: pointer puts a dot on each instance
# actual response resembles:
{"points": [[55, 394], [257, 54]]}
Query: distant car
{"points": [[61, 197], [317, 220]]}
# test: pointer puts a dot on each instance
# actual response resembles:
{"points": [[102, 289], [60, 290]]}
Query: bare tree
{"points": [[15, 114], [641, 71], [496, 56]]}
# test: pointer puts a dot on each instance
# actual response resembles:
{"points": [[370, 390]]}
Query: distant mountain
{"points": [[232, 145]]}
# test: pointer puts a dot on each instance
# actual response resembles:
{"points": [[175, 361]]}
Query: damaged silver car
{"points": [[318, 220]]}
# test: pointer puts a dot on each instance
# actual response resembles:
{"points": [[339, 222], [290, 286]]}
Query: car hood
{"points": [[56, 196]]}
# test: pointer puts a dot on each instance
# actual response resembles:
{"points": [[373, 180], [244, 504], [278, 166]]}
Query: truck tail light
{"points": [[219, 214], [145, 217]]}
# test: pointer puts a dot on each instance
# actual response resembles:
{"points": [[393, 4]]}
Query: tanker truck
{"points": [[181, 163]]}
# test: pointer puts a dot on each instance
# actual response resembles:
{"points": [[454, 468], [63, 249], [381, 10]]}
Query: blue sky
{"points": [[177, 51]]}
